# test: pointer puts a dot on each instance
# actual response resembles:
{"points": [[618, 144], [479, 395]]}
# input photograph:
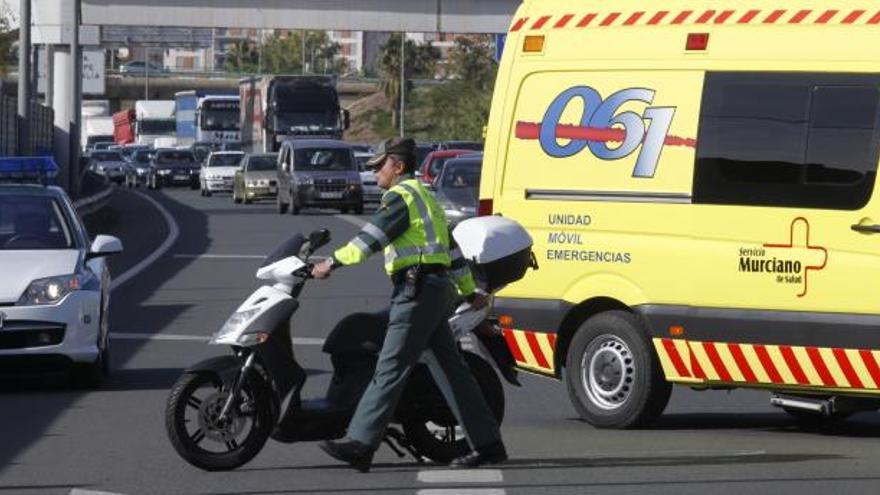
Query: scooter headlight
{"points": [[236, 320], [255, 338]]}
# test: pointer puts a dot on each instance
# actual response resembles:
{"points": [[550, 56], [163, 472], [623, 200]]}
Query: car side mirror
{"points": [[104, 245]]}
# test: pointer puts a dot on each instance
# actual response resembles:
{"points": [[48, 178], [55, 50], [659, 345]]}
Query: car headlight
{"points": [[253, 183], [236, 320], [141, 171], [50, 290], [307, 181], [164, 171]]}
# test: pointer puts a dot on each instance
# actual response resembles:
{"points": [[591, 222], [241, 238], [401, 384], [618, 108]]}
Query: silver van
{"points": [[319, 173]]}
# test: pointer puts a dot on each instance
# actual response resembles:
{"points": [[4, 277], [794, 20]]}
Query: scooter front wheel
{"points": [[431, 427], [201, 437]]}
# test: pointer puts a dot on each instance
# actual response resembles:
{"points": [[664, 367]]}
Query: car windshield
{"points": [[461, 175], [436, 166], [141, 156], [317, 159], [225, 160], [261, 163], [106, 156], [220, 115], [175, 157], [158, 126], [33, 222]]}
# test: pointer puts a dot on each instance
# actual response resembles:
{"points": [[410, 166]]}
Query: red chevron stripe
{"points": [[610, 19], [680, 18], [722, 17], [633, 18], [774, 16], [846, 366], [540, 22], [748, 16], [871, 364], [552, 337], [819, 364], [658, 17], [695, 365], [536, 349], [562, 22], [824, 18], [513, 345], [586, 20], [675, 357], [768, 365], [800, 16], [875, 19], [703, 19], [742, 364], [853, 16], [519, 24], [716, 361], [793, 365]]}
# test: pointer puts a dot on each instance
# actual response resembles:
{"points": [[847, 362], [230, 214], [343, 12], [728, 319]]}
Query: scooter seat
{"points": [[358, 334]]}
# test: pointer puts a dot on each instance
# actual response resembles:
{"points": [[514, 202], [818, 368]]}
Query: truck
{"points": [[276, 108], [124, 126], [97, 125], [206, 117], [153, 119]]}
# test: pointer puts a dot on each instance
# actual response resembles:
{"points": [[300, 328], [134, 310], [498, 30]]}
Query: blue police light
{"points": [[28, 169]]}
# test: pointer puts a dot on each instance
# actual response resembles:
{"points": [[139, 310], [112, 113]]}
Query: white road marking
{"points": [[173, 233], [77, 491], [462, 491], [220, 256], [356, 221], [461, 476], [196, 338]]}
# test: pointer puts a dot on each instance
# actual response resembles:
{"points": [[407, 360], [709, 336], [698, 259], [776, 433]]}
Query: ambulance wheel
{"points": [[613, 377]]}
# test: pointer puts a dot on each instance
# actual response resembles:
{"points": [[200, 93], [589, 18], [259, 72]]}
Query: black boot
{"points": [[490, 454], [352, 452]]}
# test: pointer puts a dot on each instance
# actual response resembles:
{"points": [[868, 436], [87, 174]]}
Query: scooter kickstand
{"points": [[397, 436]]}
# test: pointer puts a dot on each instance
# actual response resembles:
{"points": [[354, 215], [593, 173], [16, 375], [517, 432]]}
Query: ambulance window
{"points": [[801, 140]]}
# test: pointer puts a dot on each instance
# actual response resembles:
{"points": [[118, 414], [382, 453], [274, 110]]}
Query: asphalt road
{"points": [[56, 440]]}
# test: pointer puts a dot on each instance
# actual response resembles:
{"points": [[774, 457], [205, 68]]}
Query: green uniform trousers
{"points": [[418, 329]]}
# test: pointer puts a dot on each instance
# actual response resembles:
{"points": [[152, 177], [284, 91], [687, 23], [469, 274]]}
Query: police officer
{"points": [[420, 257]]}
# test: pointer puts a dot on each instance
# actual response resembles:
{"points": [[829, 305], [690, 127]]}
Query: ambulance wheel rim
{"points": [[608, 371]]}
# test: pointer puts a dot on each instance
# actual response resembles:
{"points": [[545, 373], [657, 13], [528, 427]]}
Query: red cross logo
{"points": [[799, 239]]}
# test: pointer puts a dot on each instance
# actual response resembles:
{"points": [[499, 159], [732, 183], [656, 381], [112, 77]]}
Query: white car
{"points": [[218, 171], [55, 288], [372, 191]]}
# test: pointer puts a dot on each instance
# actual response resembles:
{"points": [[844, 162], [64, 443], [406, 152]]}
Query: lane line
{"points": [[77, 491], [220, 256], [462, 491], [196, 338], [461, 476], [173, 233]]}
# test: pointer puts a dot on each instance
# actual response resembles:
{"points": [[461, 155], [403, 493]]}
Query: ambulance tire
{"points": [[629, 390]]}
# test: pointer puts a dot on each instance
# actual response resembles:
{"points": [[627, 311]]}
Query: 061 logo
{"points": [[602, 123]]}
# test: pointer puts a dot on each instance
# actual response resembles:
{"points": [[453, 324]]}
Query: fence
{"points": [[42, 128]]}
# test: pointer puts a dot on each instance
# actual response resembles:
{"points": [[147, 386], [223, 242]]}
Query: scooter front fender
{"points": [[226, 367]]}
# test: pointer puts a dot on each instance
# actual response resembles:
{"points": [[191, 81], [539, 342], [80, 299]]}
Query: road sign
{"points": [[93, 82]]}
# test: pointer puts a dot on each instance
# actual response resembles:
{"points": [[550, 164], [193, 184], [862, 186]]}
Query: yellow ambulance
{"points": [[699, 180]]}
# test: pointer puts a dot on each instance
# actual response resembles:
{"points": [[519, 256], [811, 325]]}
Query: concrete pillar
{"points": [[24, 78], [62, 94], [76, 98]]}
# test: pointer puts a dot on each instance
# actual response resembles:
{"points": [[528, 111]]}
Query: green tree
{"points": [[243, 56], [459, 109], [420, 61], [7, 37]]}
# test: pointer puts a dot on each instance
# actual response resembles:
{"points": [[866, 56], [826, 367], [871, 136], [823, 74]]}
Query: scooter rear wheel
{"points": [[432, 429], [196, 433]]}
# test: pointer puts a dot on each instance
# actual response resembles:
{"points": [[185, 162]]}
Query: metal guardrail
{"points": [[93, 203]]}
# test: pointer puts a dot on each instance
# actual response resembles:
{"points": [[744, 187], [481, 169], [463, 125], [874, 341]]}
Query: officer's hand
{"points": [[478, 300], [322, 269]]}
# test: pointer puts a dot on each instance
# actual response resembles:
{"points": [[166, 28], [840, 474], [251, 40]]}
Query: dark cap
{"points": [[392, 146]]}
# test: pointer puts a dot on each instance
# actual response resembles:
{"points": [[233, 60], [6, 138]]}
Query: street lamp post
{"points": [[402, 79], [24, 82]]}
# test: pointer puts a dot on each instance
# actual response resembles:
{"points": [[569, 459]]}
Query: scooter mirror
{"points": [[319, 238]]}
